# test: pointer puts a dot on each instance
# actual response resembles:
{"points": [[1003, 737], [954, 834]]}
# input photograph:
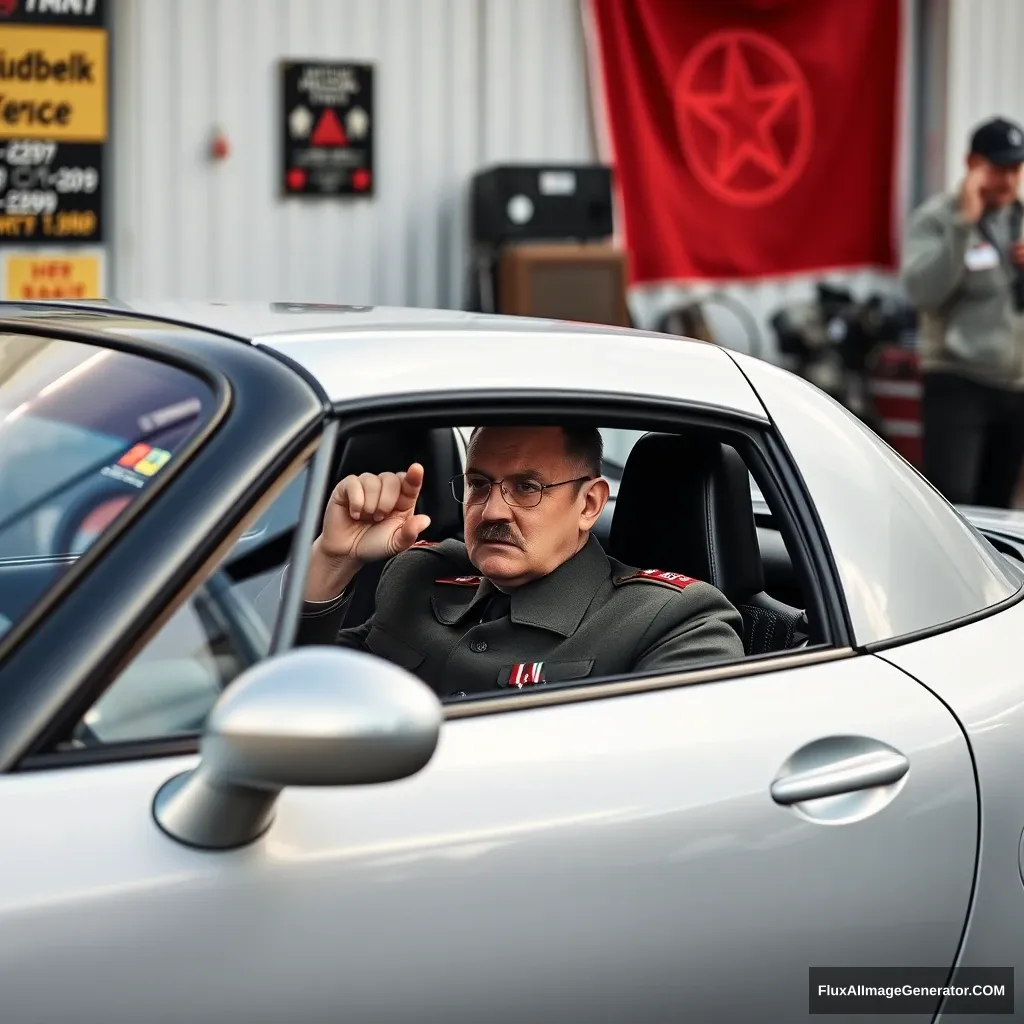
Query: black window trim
{"points": [[314, 498]]}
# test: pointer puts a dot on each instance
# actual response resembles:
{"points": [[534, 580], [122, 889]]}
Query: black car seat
{"points": [[684, 505], [393, 451]]}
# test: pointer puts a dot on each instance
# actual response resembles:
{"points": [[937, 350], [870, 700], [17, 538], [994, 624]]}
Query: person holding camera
{"points": [[963, 268]]}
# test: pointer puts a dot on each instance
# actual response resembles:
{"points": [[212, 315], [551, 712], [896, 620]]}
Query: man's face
{"points": [[999, 185], [511, 544]]}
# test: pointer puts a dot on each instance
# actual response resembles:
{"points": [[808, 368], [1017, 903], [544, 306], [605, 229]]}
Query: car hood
{"points": [[999, 520]]}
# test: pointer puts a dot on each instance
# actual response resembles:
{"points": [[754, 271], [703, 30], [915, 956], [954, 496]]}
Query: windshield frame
{"points": [[151, 350]]}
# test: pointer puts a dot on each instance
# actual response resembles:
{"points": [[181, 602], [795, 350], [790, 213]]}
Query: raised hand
{"points": [[372, 516], [972, 203]]}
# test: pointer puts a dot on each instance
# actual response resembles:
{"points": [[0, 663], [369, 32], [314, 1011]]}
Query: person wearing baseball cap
{"points": [[963, 268]]}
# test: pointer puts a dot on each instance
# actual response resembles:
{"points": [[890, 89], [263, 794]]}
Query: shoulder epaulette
{"points": [[672, 579]]}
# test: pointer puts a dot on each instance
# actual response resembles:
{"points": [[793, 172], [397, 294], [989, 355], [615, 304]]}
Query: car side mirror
{"points": [[315, 716]]}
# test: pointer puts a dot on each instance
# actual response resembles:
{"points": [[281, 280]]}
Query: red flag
{"points": [[752, 138]]}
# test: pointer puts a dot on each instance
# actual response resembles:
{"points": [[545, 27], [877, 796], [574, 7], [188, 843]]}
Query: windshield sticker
{"points": [[153, 462], [171, 415], [140, 462], [133, 455]]}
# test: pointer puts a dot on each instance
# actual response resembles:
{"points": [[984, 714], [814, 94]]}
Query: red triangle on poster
{"points": [[328, 131]]}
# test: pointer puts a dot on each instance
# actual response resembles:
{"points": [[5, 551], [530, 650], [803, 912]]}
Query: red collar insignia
{"points": [[462, 581]]}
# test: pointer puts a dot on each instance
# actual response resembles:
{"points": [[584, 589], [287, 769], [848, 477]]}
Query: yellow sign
{"points": [[53, 83], [53, 277]]}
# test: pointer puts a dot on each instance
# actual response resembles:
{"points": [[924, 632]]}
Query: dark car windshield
{"points": [[84, 431]]}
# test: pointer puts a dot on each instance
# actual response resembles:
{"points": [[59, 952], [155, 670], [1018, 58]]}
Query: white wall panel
{"points": [[986, 71], [535, 104], [459, 84]]}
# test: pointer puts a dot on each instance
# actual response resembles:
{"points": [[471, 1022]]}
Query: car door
{"points": [[613, 858]]}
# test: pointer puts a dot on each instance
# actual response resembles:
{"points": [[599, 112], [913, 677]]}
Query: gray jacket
{"points": [[966, 314]]}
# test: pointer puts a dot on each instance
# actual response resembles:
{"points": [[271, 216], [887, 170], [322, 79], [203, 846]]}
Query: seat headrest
{"points": [[684, 505], [391, 451]]}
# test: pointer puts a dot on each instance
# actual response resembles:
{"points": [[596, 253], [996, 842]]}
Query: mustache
{"points": [[497, 533]]}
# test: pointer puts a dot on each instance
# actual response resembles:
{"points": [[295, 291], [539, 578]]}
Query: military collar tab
{"points": [[455, 597]]}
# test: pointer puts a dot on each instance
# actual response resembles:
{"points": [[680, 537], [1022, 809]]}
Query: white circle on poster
{"points": [[519, 209]]}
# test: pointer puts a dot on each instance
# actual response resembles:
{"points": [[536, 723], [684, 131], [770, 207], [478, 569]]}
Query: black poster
{"points": [[54, 97], [327, 125], [73, 13], [50, 192]]}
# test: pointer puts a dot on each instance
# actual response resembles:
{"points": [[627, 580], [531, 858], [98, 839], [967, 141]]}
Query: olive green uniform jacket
{"points": [[592, 616]]}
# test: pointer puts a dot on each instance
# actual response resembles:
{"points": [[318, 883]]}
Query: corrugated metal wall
{"points": [[459, 84], [985, 74]]}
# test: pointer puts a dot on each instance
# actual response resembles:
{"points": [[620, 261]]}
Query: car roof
{"points": [[262, 321], [365, 351]]}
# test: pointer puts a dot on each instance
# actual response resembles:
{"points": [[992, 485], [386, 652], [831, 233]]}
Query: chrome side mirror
{"points": [[316, 716]]}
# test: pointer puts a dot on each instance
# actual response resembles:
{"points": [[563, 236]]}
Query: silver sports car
{"points": [[207, 823]]}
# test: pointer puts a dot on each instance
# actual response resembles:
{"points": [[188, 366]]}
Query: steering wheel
{"points": [[232, 616], [89, 517], [248, 632], [218, 601]]}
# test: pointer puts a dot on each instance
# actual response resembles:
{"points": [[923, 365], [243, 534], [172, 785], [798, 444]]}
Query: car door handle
{"points": [[847, 773]]}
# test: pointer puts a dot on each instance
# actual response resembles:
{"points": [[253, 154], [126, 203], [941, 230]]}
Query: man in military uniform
{"points": [[530, 597]]}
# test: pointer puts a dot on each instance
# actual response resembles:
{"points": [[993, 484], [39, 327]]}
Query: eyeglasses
{"points": [[522, 492]]}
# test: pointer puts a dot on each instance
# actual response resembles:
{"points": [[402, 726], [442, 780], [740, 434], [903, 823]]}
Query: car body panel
{"points": [[617, 859], [976, 670], [906, 559], [386, 351], [431, 361]]}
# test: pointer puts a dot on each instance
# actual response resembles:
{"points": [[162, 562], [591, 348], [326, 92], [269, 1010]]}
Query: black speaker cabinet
{"points": [[551, 202]]}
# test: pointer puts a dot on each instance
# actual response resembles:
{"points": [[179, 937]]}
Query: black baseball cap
{"points": [[1000, 141]]}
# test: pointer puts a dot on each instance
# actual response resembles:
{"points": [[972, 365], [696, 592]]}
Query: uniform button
{"points": [[478, 646]]}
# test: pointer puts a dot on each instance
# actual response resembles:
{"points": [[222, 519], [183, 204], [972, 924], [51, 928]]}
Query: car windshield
{"points": [[84, 431]]}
